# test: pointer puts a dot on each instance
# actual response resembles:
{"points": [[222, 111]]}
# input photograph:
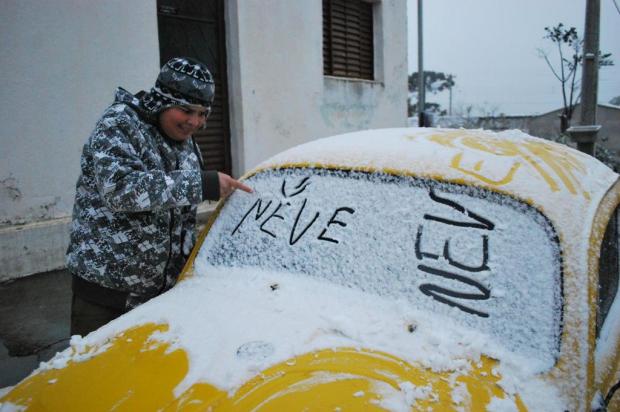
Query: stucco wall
{"points": [[282, 98], [62, 60]]}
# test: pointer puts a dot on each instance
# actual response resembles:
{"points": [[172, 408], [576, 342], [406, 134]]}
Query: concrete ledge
{"points": [[33, 248], [40, 246]]}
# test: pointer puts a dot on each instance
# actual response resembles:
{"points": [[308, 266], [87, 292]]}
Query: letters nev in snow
{"points": [[439, 293]]}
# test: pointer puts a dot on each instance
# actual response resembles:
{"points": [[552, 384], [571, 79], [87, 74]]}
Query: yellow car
{"points": [[395, 269]]}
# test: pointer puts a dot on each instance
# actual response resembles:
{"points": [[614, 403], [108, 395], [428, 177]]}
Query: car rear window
{"points": [[484, 259]]}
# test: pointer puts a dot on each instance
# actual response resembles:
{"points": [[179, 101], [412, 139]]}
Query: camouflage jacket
{"points": [[135, 205]]}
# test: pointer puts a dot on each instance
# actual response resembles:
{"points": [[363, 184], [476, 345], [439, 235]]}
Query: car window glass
{"points": [[488, 261], [608, 271]]}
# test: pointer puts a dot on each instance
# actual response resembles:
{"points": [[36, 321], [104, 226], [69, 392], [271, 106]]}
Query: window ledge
{"points": [[354, 80]]}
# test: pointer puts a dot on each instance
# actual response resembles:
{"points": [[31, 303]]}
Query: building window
{"points": [[348, 39]]}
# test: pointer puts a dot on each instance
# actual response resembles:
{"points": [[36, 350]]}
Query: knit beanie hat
{"points": [[182, 81]]}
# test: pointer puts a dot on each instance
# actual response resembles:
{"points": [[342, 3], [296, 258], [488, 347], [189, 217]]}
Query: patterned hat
{"points": [[182, 81]]}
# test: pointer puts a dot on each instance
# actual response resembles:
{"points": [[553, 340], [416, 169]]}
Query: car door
{"points": [[604, 253]]}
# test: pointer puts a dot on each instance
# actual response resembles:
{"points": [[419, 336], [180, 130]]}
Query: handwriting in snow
{"points": [[304, 219], [270, 217]]}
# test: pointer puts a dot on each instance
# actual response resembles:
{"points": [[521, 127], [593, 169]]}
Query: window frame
{"points": [[608, 270], [348, 39]]}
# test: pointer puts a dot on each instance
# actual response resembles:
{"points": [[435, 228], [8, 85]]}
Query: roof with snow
{"points": [[554, 178]]}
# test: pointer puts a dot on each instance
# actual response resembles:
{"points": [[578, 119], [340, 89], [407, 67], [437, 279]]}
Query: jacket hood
{"points": [[122, 96]]}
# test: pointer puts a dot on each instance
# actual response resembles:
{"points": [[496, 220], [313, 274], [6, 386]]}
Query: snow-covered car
{"points": [[395, 269]]}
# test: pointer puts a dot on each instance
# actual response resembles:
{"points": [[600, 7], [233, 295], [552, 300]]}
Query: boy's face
{"points": [[181, 122]]}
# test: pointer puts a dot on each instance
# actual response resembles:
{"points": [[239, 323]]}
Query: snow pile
{"points": [[79, 350], [233, 325]]}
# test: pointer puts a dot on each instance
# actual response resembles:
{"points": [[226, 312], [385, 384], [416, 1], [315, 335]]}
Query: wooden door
{"points": [[195, 28]]}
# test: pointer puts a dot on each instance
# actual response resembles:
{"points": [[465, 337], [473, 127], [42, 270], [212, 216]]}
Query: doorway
{"points": [[195, 28]]}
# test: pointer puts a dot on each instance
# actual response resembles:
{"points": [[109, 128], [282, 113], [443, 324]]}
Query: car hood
{"points": [[243, 339]]}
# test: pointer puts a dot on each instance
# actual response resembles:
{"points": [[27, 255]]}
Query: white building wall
{"points": [[282, 97], [62, 60]]}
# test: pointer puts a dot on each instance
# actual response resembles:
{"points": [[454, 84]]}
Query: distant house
{"points": [[608, 116], [286, 72]]}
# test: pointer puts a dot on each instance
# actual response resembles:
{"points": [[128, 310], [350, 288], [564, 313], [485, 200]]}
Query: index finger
{"points": [[237, 184]]}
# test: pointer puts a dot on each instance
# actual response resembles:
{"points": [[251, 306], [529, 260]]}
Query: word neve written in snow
{"points": [[295, 233]]}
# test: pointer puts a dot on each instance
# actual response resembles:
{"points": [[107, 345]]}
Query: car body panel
{"points": [[605, 358], [130, 367]]}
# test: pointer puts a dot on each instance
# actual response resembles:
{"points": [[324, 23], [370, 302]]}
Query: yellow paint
{"points": [[136, 373], [478, 166], [535, 154], [364, 380], [445, 139], [456, 164], [200, 397], [139, 373]]}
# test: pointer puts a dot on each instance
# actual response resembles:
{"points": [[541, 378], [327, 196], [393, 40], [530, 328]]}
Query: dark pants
{"points": [[87, 316], [93, 306]]}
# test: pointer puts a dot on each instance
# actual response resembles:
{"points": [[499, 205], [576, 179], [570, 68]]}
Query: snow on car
{"points": [[391, 269]]}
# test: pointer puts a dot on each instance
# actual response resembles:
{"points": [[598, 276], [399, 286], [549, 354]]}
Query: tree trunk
{"points": [[564, 123]]}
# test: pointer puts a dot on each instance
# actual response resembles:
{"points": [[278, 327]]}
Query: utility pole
{"points": [[585, 134], [421, 88]]}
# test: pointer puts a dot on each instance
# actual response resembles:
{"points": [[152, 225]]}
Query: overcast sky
{"points": [[491, 48]]}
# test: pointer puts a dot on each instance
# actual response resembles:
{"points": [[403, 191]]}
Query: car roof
{"points": [[559, 181]]}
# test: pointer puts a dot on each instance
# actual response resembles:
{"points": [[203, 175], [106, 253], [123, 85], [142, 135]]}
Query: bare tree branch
{"points": [[566, 70], [545, 56]]}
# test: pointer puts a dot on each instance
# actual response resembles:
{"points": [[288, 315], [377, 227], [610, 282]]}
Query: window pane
{"points": [[608, 271], [481, 258], [348, 39]]}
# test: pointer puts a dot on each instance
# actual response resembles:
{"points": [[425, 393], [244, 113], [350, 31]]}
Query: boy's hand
{"points": [[228, 185]]}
